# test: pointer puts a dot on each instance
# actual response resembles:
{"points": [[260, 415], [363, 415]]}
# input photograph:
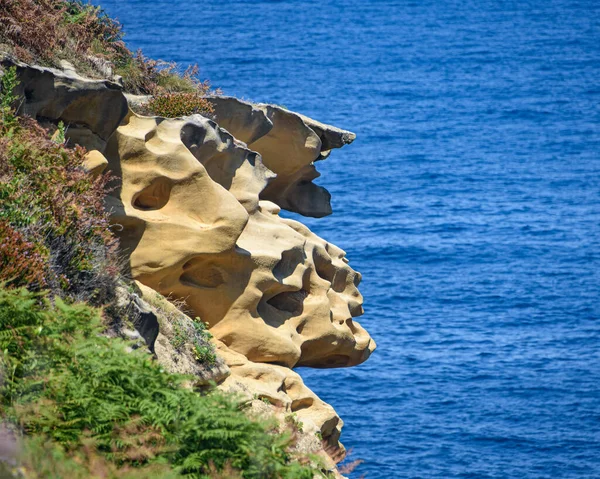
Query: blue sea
{"points": [[470, 202]]}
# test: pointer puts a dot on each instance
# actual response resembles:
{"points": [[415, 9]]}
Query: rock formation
{"points": [[196, 206], [92, 109], [269, 288], [284, 390], [275, 295], [289, 144]]}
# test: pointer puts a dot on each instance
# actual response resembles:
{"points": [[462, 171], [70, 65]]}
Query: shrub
{"points": [[47, 31], [174, 105], [147, 76], [89, 396], [140, 74], [55, 230], [42, 459], [8, 84], [176, 96], [51, 29], [21, 261]]}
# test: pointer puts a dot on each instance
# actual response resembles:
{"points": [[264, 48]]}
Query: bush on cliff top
{"points": [[47, 31], [174, 105]]}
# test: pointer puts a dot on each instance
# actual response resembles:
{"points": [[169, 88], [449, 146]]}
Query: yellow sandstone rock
{"points": [[166, 208], [269, 288], [90, 109], [95, 163], [188, 213], [289, 144], [292, 400]]}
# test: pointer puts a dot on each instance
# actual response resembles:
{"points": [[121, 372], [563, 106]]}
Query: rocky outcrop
{"points": [[195, 203], [177, 340], [188, 212], [90, 109], [285, 395], [245, 121], [289, 144], [167, 209]]}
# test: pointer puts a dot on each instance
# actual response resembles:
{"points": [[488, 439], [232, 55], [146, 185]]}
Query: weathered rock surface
{"points": [[95, 163], [167, 208], [90, 109], [275, 295], [195, 229], [245, 121], [288, 398], [289, 144], [331, 136], [146, 322]]}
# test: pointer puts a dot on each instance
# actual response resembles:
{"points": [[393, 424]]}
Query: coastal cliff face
{"points": [[268, 287], [195, 203]]}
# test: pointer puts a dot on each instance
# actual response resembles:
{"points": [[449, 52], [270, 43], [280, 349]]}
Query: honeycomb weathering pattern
{"points": [[188, 212], [189, 215], [289, 144]]}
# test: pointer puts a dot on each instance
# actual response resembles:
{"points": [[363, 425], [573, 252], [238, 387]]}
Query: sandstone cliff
{"points": [[195, 203]]}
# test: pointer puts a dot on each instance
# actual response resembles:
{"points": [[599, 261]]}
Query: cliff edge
{"points": [[194, 202]]}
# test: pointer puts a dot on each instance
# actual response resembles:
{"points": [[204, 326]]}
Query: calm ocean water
{"points": [[470, 202]]}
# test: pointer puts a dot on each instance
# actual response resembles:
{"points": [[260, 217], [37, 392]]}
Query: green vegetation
{"points": [[48, 31], [86, 405], [59, 135], [174, 105], [55, 231], [193, 332], [8, 99], [294, 421], [176, 325], [91, 397], [203, 349]]}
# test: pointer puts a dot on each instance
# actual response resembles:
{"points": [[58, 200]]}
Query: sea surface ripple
{"points": [[470, 202]]}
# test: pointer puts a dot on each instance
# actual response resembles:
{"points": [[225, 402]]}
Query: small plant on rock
{"points": [[175, 105], [59, 135], [8, 84], [292, 419]]}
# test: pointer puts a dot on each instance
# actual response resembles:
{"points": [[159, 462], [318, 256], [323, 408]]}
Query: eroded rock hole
{"points": [[324, 266], [201, 275], [290, 301], [155, 196], [289, 262]]}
